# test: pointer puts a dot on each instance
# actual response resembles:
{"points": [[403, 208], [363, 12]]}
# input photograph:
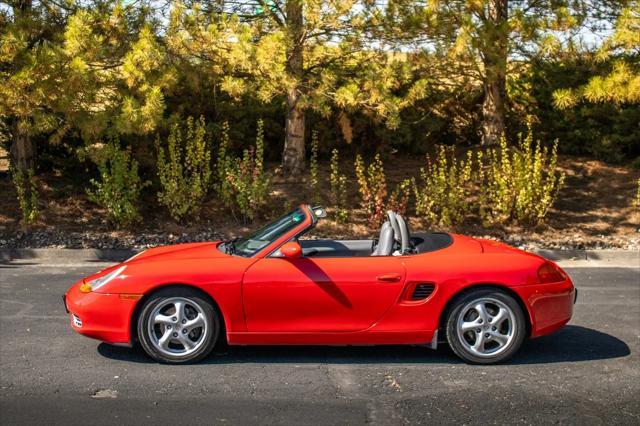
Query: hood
{"points": [[205, 250]]}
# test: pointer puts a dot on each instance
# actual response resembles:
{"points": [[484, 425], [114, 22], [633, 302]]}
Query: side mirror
{"points": [[291, 250]]}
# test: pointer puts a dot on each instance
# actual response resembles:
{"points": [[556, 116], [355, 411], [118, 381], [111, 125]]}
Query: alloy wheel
{"points": [[177, 327], [486, 327]]}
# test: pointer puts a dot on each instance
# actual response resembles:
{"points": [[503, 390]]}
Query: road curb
{"points": [[71, 256], [559, 255], [63, 255], [593, 258], [614, 255]]}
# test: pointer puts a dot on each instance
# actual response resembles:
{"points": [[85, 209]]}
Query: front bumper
{"points": [[101, 316], [550, 305]]}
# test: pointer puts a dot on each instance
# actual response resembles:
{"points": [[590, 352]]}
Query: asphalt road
{"points": [[588, 373]]}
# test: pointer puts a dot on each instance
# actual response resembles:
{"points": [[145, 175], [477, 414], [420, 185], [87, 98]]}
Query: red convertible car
{"points": [[275, 288]]}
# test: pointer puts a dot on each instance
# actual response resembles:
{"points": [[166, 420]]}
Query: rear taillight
{"points": [[550, 273]]}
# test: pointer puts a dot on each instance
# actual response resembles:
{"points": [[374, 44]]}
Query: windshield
{"points": [[250, 245]]}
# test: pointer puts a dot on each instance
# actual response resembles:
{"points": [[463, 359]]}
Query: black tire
{"points": [[211, 318], [454, 315]]}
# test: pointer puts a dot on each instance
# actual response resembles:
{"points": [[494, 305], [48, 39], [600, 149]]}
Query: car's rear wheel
{"points": [[178, 325], [485, 326]]}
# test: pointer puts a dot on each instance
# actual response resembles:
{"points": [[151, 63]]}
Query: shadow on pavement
{"points": [[10, 265], [570, 344]]}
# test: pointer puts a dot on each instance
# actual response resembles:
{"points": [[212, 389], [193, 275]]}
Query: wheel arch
{"points": [[133, 329], [493, 286]]}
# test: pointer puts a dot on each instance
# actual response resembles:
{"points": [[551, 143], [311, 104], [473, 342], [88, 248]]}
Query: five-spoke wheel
{"points": [[485, 326], [178, 325]]}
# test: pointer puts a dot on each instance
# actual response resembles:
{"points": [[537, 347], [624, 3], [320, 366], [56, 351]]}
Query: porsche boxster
{"points": [[279, 286]]}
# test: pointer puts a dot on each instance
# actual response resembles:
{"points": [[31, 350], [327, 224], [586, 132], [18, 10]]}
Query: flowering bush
{"points": [[372, 186], [399, 198], [119, 187], [185, 172], [243, 183], [313, 169], [338, 189], [519, 183], [444, 188], [224, 162], [27, 193]]}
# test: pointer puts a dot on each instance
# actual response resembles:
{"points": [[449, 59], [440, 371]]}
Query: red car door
{"points": [[320, 294]]}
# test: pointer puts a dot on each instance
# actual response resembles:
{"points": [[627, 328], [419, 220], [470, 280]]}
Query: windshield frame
{"points": [[308, 221]]}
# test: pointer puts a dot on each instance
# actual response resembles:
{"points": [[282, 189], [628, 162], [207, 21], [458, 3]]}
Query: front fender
{"points": [[220, 278]]}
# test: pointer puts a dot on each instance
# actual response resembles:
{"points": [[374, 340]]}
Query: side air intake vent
{"points": [[422, 291]]}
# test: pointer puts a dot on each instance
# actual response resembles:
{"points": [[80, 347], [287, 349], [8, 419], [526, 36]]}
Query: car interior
{"points": [[395, 239]]}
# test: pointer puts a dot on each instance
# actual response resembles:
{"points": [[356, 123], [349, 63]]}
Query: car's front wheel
{"points": [[485, 326], [178, 325]]}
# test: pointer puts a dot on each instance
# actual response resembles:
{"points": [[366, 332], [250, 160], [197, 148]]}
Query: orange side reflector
{"points": [[85, 288], [129, 296]]}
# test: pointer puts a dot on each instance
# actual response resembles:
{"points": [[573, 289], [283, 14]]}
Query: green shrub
{"points": [[399, 198], [243, 183], [27, 192], [372, 186], [442, 196], [185, 172], [519, 184], [637, 200], [338, 189], [224, 163], [119, 187], [313, 169]]}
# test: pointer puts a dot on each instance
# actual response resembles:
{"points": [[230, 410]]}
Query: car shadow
{"points": [[10, 265], [571, 344]]}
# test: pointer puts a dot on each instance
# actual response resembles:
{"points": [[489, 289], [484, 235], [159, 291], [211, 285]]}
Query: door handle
{"points": [[389, 278]]}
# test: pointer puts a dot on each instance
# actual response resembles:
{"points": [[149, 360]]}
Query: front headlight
{"points": [[99, 282]]}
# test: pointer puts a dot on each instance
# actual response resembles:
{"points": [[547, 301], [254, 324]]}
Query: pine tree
{"points": [[305, 51], [95, 70], [29, 72], [622, 51], [481, 41]]}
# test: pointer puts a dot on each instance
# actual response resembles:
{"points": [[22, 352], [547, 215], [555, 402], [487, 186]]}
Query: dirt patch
{"points": [[594, 210], [4, 160]]}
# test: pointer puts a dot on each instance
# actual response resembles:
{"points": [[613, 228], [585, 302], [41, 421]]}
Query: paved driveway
{"points": [[588, 373]]}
